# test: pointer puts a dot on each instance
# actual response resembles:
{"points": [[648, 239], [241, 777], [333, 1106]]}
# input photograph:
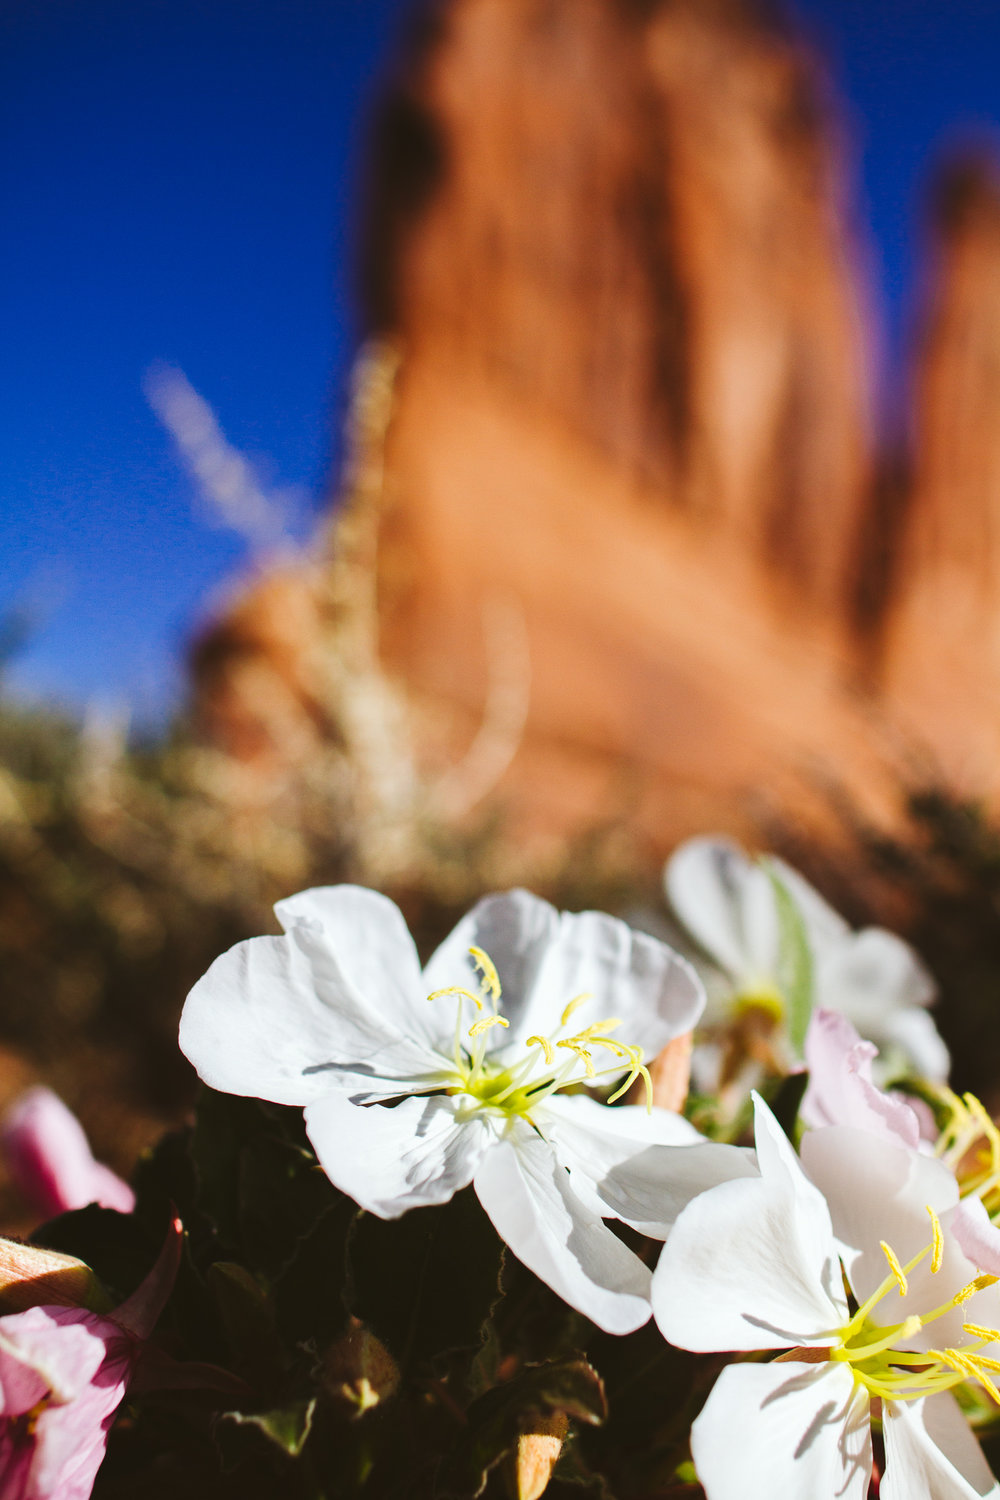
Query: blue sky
{"points": [[176, 185]]}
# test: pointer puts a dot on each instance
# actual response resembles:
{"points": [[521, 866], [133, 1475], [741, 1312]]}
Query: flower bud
{"points": [[359, 1370], [32, 1277], [537, 1452]]}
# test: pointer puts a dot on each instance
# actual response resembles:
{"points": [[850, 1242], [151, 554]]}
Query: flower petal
{"points": [[875, 978], [515, 929], [369, 936], [792, 1430], [715, 893], [391, 1159], [279, 1018], [62, 1347], [879, 1190], [931, 1450], [910, 1039], [641, 1168], [654, 992], [752, 1264], [530, 1201], [841, 1091], [51, 1161]]}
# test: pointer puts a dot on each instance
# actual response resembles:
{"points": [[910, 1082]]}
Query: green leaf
{"points": [[287, 1426], [248, 1319], [496, 1420], [425, 1283], [258, 1179], [795, 962]]}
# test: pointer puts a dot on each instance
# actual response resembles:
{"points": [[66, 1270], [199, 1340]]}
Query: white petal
{"points": [[273, 1020], [752, 1264], [626, 975], [878, 1190], [930, 1450], [528, 1196], [706, 883], [642, 1168], [869, 973], [910, 1041], [515, 929], [411, 1155], [794, 1431], [369, 938], [824, 926], [977, 1236]]}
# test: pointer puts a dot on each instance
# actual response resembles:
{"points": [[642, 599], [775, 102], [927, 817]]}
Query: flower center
{"points": [[970, 1145], [559, 1060], [879, 1354]]}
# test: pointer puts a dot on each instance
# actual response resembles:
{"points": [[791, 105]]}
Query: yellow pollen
{"points": [[457, 989], [478, 1027], [937, 1250], [986, 1362], [597, 1030], [978, 1284], [985, 1123], [991, 1335], [546, 1046], [572, 1007], [488, 970], [582, 1054], [895, 1267]]}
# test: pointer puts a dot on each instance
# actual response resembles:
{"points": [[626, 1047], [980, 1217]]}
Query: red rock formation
{"points": [[943, 661], [619, 511]]}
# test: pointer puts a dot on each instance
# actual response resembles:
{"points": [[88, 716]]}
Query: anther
{"points": [[582, 1054], [546, 1046], [978, 1284], [976, 1331], [937, 1251], [488, 970], [457, 989], [478, 1027], [573, 1006], [895, 1267]]}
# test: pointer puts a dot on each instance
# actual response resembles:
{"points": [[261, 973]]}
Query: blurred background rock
{"points": [[620, 553]]}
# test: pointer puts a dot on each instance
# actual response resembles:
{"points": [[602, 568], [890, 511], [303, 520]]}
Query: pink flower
{"points": [[841, 1090], [51, 1162], [63, 1374]]}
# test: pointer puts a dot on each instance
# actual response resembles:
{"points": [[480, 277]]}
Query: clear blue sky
{"points": [[176, 184]]}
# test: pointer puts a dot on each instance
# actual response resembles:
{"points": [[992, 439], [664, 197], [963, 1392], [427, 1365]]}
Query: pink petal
{"points": [[841, 1091], [50, 1159]]}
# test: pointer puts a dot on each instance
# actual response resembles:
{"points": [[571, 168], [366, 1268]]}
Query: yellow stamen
{"points": [[572, 1007], [582, 1054], [937, 1251], [478, 1027], [546, 1046], [597, 1030], [638, 1072], [488, 970], [986, 1125], [457, 989], [895, 1267], [978, 1284], [991, 1335]]}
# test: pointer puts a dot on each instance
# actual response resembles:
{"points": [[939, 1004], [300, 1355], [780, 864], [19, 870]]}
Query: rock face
{"points": [[630, 533]]}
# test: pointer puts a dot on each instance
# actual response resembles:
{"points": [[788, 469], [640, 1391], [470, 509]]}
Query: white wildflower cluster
{"points": [[853, 1281]]}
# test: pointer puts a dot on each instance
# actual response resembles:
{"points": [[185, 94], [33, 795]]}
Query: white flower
{"points": [[765, 1264], [730, 907], [336, 1016]]}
